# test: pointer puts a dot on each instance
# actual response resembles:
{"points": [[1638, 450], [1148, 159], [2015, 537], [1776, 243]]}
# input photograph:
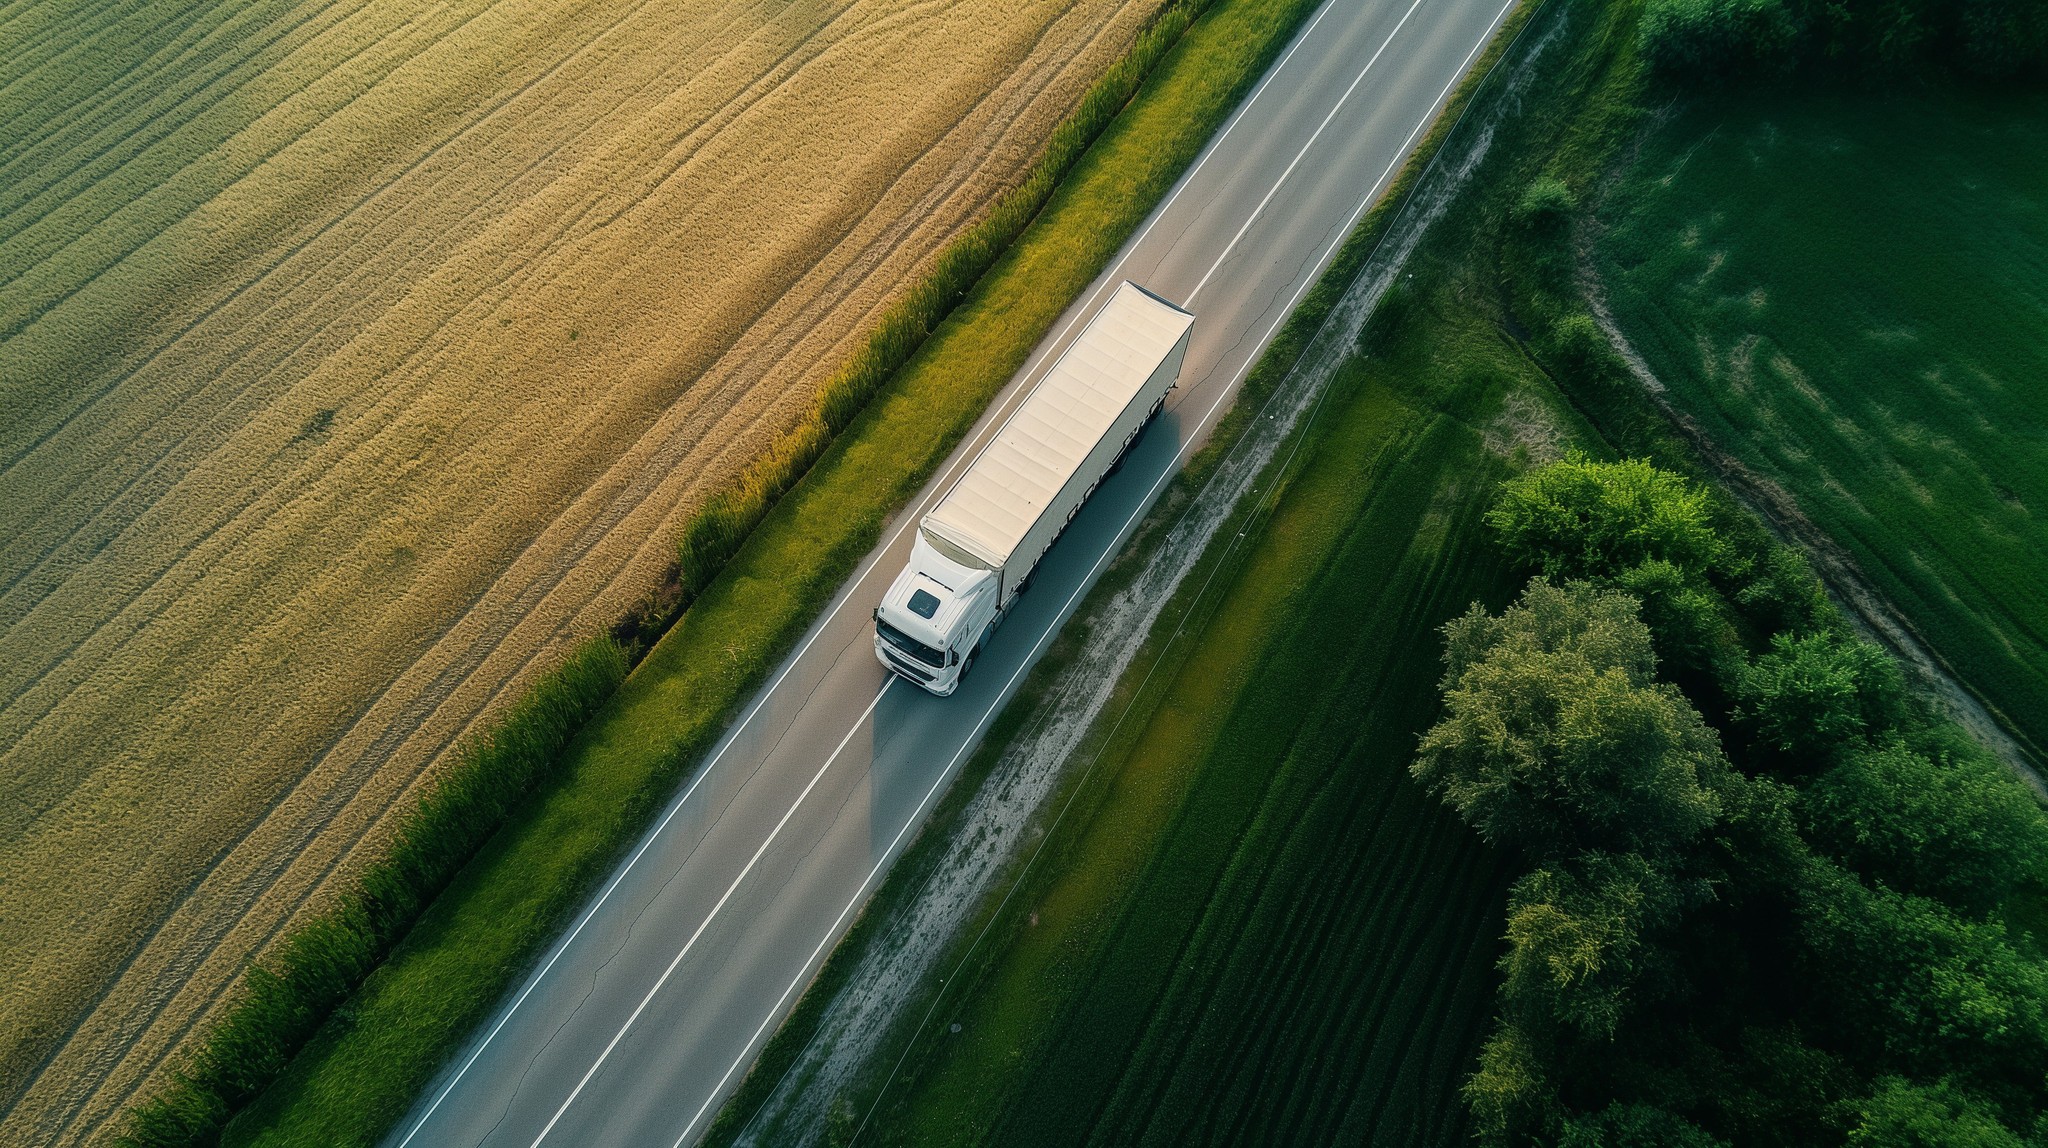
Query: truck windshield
{"points": [[909, 645]]}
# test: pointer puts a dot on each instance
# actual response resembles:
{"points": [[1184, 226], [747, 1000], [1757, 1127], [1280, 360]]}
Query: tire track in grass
{"points": [[360, 281], [30, 59], [151, 90], [277, 496], [1277, 959], [1310, 925], [164, 99], [429, 256], [1289, 762]]}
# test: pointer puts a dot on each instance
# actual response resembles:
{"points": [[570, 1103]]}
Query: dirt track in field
{"points": [[354, 358]]}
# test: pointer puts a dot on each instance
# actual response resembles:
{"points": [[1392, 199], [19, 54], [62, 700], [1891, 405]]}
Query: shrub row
{"points": [[288, 996], [1696, 40]]}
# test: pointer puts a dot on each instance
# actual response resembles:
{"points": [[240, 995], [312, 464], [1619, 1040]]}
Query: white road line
{"points": [[1296, 161], [860, 578], [712, 915], [1322, 261]]}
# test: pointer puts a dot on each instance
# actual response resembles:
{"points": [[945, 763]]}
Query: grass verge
{"points": [[814, 504]]}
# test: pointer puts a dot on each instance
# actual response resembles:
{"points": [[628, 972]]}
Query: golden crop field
{"points": [[355, 357]]}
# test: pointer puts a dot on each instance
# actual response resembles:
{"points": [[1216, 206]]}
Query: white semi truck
{"points": [[976, 551]]}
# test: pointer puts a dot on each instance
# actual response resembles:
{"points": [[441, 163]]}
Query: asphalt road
{"points": [[649, 1011]]}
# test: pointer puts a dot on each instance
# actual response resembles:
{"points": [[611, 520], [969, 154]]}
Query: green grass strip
{"points": [[814, 505]]}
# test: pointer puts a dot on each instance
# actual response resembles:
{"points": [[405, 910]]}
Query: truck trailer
{"points": [[976, 551]]}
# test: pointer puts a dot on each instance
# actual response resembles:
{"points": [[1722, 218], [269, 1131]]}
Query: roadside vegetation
{"points": [[1254, 922], [364, 1066]]}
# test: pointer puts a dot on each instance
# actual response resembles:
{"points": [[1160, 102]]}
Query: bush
{"points": [[1909, 987], [1901, 1114], [2002, 39], [1718, 38], [1545, 207], [1634, 1126], [1578, 518], [1961, 830], [1688, 626], [1810, 698], [1783, 594]]}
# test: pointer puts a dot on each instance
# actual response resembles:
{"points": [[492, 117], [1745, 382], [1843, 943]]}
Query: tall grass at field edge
{"points": [[316, 967], [290, 996]]}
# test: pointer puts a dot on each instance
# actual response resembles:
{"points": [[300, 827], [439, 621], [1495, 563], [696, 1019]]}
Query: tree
{"points": [[1812, 696], [1558, 739], [1911, 987], [1901, 1114], [1685, 618], [1577, 518], [1511, 1091], [1576, 940], [1961, 829]]}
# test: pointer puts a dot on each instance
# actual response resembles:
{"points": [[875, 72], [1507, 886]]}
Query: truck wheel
{"points": [[968, 665]]}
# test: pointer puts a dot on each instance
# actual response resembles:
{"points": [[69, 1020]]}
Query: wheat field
{"points": [[358, 355]]}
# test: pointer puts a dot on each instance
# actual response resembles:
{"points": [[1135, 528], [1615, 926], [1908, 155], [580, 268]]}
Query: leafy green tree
{"points": [[1962, 829], [1634, 1126], [1576, 940], [1911, 987], [1577, 518], [1559, 740], [1901, 1114], [1511, 1091], [2003, 38], [1783, 594], [1815, 695], [1687, 624]]}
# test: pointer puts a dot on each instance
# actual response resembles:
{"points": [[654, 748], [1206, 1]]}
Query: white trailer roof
{"points": [[1050, 435]]}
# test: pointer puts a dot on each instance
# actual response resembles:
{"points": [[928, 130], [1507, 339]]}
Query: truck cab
{"points": [[931, 622]]}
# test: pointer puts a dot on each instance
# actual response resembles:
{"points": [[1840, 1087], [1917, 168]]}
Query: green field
{"points": [[1851, 294]]}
